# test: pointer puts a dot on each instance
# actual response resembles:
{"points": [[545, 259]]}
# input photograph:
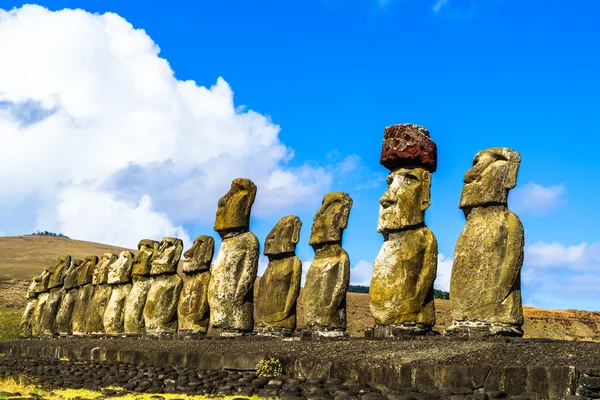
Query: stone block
{"points": [[408, 145], [515, 380]]}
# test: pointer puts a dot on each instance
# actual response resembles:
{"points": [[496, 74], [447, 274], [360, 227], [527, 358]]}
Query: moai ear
{"points": [[297, 225], [425, 190], [346, 201], [510, 178]]}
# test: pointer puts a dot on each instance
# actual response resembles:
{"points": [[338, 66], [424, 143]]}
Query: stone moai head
{"points": [[283, 237], [44, 278], [166, 259], [120, 270], [233, 213], [32, 290], [142, 262], [331, 219], [493, 174], [198, 257], [57, 273], [101, 271], [71, 274], [86, 270]]}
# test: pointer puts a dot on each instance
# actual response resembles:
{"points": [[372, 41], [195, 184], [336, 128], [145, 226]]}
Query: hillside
{"points": [[22, 257]]}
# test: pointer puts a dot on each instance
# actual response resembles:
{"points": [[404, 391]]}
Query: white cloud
{"points": [[536, 199], [109, 131], [444, 270], [439, 4], [553, 255], [361, 273]]}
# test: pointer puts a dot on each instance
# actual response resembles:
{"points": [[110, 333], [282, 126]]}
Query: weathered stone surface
{"points": [[94, 323], [115, 309], [160, 311], [100, 276], [79, 314], [328, 277], [25, 325], [166, 259], [70, 281], [134, 305], [233, 213], [280, 284], [65, 311], [485, 286], [43, 285], [85, 273], [36, 318], [408, 145], [57, 273], [401, 291], [120, 270], [231, 287], [48, 316], [193, 310], [198, 257], [142, 262]]}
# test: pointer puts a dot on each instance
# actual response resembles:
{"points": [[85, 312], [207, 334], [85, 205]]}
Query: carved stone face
{"points": [[168, 256], [199, 256], [331, 219], [43, 285], [57, 273], [233, 213], [86, 270], [142, 263], [120, 270], [493, 174], [101, 271], [32, 291], [284, 236], [72, 273], [405, 201]]}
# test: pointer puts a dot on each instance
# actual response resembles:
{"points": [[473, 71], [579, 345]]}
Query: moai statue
{"points": [[401, 291], [485, 285], [102, 293], [136, 299], [25, 325], [41, 291], [119, 277], [71, 288], [160, 311], [193, 311], [279, 286], [231, 287], [85, 273], [327, 279], [55, 294]]}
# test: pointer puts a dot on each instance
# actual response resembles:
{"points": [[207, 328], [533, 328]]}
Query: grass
{"points": [[12, 385]]}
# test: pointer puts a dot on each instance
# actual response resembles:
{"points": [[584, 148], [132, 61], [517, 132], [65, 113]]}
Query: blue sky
{"points": [[331, 75]]}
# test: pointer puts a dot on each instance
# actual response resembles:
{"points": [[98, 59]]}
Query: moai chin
{"points": [[54, 286], [119, 277], [79, 316], [279, 286], [67, 304], [327, 279], [192, 311], [102, 293], [401, 290], [485, 285], [231, 287], [136, 299], [160, 310]]}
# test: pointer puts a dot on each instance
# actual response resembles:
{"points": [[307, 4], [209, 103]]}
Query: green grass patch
{"points": [[9, 323]]}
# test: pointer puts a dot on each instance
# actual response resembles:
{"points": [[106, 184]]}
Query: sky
{"points": [[128, 120]]}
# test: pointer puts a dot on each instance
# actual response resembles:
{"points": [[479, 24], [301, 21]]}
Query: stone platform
{"points": [[546, 368]]}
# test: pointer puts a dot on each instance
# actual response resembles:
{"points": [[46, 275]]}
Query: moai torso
{"points": [[136, 299], [485, 285], [85, 293], [41, 292], [55, 294], [119, 277], [160, 310], [279, 287], [65, 311], [193, 311], [102, 293], [327, 279], [25, 325], [231, 287]]}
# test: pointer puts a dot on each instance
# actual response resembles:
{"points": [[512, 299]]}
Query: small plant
{"points": [[270, 366]]}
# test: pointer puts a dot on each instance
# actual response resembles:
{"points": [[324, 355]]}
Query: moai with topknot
{"points": [[136, 299], [193, 311], [401, 290], [278, 290], [102, 294], [328, 277], [85, 273], [485, 284], [231, 287], [160, 311], [67, 304], [119, 277]]}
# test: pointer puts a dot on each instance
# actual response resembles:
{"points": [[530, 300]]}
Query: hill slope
{"points": [[22, 257]]}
